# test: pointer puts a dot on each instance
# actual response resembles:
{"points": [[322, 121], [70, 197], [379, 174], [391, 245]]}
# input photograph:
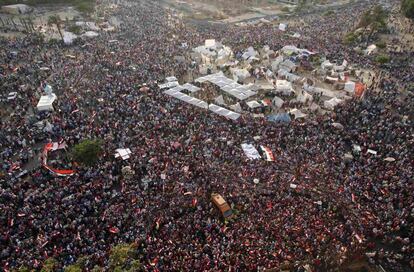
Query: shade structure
{"points": [[46, 102]]}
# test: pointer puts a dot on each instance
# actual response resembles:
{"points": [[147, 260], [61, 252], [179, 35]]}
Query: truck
{"points": [[222, 205]]}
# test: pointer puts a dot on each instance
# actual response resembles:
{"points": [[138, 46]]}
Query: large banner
{"points": [[250, 151], [52, 147], [267, 153]]}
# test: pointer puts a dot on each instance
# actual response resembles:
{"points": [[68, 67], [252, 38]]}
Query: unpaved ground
{"points": [[225, 11]]}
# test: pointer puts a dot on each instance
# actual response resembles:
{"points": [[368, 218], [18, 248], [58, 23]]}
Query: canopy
{"points": [[278, 102], [229, 86], [370, 49], [289, 76], [210, 43], [297, 113], [12, 96], [249, 54], [279, 118], [90, 34], [46, 102], [276, 63], [304, 97], [240, 74], [327, 65], [171, 79], [169, 85], [175, 92], [288, 65], [123, 153], [284, 86], [68, 37], [236, 107], [219, 100], [332, 103], [349, 86], [253, 104], [224, 112], [290, 49]]}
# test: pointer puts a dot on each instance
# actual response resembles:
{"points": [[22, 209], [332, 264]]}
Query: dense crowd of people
{"points": [[181, 154]]}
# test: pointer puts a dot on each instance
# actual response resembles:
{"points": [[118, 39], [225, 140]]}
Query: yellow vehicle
{"points": [[222, 205]]}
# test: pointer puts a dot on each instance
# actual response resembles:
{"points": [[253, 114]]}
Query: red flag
{"points": [[114, 230]]}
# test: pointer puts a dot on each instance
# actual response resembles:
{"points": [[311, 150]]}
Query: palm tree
{"points": [[55, 20]]}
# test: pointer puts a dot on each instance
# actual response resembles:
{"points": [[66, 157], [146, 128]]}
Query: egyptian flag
{"points": [[266, 102], [194, 202], [114, 230], [267, 153]]}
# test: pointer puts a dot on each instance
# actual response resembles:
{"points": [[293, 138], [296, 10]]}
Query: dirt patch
{"points": [[225, 11]]}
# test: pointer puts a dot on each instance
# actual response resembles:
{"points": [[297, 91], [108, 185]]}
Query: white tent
{"points": [[171, 79], [253, 104], [332, 103], [236, 107], [370, 49], [297, 113], [288, 65], [168, 85], [240, 74], [12, 96], [289, 76], [224, 112], [349, 86], [284, 87], [290, 49], [250, 53], [191, 88], [68, 37], [341, 67], [282, 27], [90, 34], [304, 97], [210, 43], [278, 102], [123, 153], [276, 63], [229, 86], [219, 100], [327, 65], [175, 92], [46, 102], [223, 55]]}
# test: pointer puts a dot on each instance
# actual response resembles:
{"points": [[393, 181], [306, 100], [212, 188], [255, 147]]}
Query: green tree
{"points": [[375, 20], [382, 59], [73, 268], [87, 152], [97, 269], [123, 257], [22, 269], [55, 20], [49, 265], [350, 38], [407, 7]]}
